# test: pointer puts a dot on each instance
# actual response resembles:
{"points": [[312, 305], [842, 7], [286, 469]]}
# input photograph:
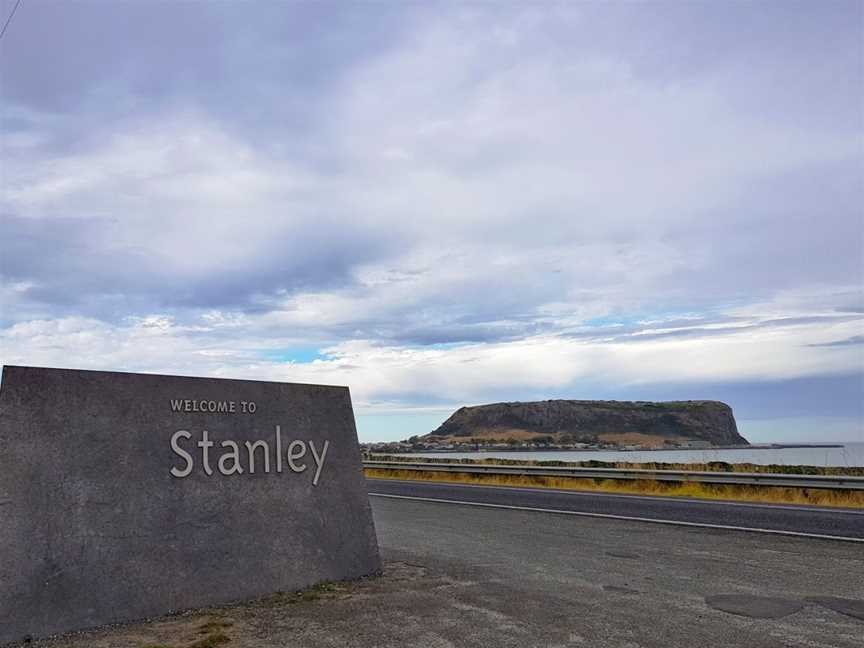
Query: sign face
{"points": [[124, 496]]}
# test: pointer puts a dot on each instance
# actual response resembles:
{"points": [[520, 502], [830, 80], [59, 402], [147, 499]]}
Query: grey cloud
{"points": [[447, 333], [833, 395], [636, 335], [770, 46], [275, 77], [780, 233], [71, 272], [192, 48], [852, 341]]}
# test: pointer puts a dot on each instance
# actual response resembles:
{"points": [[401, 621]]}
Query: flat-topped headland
{"points": [[575, 423]]}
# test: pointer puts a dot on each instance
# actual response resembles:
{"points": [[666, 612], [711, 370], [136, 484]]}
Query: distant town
{"points": [[419, 444]]}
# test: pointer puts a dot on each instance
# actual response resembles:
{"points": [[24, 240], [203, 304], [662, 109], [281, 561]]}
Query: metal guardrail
{"points": [[758, 479]]}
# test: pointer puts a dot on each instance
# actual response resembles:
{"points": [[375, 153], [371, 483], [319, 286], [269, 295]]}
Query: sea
{"points": [[848, 454]]}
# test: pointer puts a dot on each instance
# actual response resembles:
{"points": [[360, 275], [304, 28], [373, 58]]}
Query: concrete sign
{"points": [[124, 496]]}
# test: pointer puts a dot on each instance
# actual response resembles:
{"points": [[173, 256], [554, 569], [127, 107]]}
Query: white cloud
{"points": [[394, 375]]}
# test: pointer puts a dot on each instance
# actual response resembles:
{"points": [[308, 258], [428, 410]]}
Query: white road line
{"points": [[655, 498], [628, 518]]}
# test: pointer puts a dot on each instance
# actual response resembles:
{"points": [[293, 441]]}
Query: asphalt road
{"points": [[839, 523], [510, 577]]}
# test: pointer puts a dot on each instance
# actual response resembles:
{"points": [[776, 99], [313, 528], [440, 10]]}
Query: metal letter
{"points": [[181, 452], [250, 448], [235, 455], [291, 456], [205, 444], [319, 461]]}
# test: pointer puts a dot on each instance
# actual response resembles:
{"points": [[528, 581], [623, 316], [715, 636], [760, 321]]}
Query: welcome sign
{"points": [[124, 496]]}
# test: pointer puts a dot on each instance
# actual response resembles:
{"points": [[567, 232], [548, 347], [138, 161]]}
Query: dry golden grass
{"points": [[711, 466], [499, 434], [766, 494], [646, 440]]}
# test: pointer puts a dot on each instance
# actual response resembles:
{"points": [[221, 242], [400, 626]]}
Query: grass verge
{"points": [[709, 466], [765, 494]]}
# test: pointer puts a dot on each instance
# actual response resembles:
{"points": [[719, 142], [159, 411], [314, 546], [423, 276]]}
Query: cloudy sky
{"points": [[442, 204]]}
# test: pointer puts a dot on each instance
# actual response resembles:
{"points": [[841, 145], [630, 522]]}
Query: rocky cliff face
{"points": [[591, 421]]}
